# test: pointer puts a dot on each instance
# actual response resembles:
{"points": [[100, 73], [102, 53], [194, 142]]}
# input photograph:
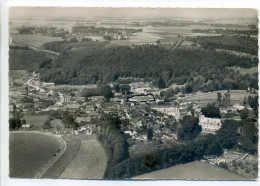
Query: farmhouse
{"points": [[210, 125]]}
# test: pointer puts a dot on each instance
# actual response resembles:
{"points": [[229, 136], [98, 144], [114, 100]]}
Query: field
{"points": [[204, 98], [195, 171], [36, 121], [244, 71], [33, 39], [73, 145], [29, 153], [90, 162]]}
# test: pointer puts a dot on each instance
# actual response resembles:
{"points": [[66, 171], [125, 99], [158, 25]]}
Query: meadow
{"points": [[36, 121], [29, 153], [195, 171], [203, 99], [33, 39], [245, 71]]}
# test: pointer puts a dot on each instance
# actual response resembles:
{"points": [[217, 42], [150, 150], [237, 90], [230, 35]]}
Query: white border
{"points": [[5, 180]]}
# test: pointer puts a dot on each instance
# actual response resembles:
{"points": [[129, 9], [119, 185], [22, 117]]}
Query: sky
{"points": [[131, 12]]}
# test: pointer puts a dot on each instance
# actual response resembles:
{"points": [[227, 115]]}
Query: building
{"points": [[64, 98], [209, 125], [49, 85], [169, 110], [141, 98]]}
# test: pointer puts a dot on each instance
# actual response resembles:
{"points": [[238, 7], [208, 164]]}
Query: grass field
{"points": [[36, 121], [195, 171], [90, 162], [33, 39], [73, 145], [29, 152], [204, 99], [244, 71]]}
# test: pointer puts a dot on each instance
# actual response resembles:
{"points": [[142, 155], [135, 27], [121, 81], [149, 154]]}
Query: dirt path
{"points": [[89, 163]]}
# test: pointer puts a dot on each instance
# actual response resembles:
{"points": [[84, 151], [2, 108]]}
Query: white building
{"points": [[209, 125], [64, 98]]}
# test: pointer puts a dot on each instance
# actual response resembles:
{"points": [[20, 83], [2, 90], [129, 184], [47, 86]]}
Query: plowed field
{"points": [[89, 163]]}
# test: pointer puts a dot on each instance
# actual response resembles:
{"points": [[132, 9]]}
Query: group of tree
{"points": [[101, 90], [245, 44], [189, 129], [122, 88], [201, 69], [211, 111]]}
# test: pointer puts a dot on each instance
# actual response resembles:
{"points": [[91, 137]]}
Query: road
{"points": [[89, 163]]}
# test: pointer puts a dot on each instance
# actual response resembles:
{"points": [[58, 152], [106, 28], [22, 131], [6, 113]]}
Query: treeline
{"points": [[112, 139], [245, 44], [202, 69], [226, 31], [103, 30], [176, 154]]}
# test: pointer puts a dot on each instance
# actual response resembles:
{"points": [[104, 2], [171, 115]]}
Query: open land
{"points": [[29, 153], [193, 171]]}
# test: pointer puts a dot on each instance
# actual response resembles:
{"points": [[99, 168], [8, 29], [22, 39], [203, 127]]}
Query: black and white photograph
{"points": [[124, 93]]}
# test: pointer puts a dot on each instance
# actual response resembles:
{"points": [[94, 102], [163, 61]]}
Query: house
{"points": [[209, 125], [82, 119], [26, 126], [50, 85]]}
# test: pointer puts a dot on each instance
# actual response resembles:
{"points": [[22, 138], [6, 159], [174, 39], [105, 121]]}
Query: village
{"points": [[140, 110], [143, 109]]}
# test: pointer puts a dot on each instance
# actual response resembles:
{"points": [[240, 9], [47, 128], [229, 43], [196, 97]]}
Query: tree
{"points": [[125, 89], [14, 123], [189, 129], [161, 83], [226, 99], [227, 135], [149, 134], [188, 89], [47, 125], [158, 41], [219, 97], [211, 111], [116, 87]]}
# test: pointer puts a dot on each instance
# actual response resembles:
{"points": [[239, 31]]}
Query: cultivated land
{"points": [[90, 162], [29, 152], [73, 144], [33, 39], [195, 171]]}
